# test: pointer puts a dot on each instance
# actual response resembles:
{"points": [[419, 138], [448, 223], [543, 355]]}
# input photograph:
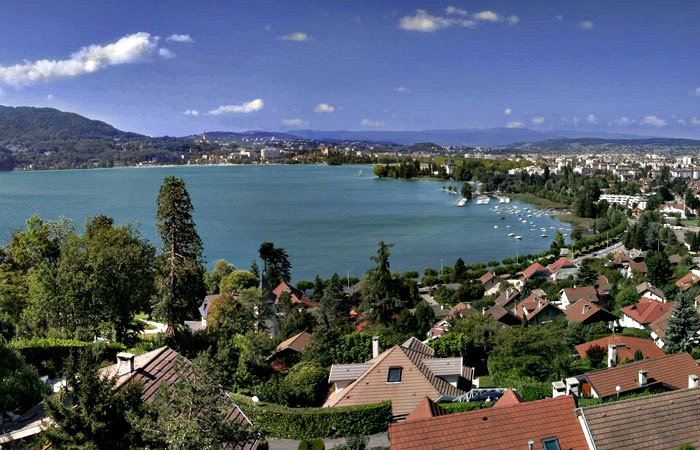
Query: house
{"points": [[665, 373], [403, 374], [666, 421], [586, 312], [569, 296], [635, 267], [504, 317], [508, 298], [673, 208], [658, 327], [490, 282], [603, 284], [287, 353], [296, 297], [648, 290], [561, 269], [534, 270], [152, 370], [622, 348], [642, 314], [509, 424], [537, 310], [687, 281]]}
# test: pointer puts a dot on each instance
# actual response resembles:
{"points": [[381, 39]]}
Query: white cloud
{"points": [[537, 120], [559, 17], [696, 92], [681, 122], [324, 108], [425, 22], [2, 93], [454, 10], [49, 97], [180, 38], [166, 53], [695, 121], [191, 112], [298, 36], [592, 119], [403, 90], [294, 123], [507, 112], [622, 121], [515, 125], [248, 107], [487, 16], [654, 121], [586, 25], [129, 49], [513, 20], [372, 123], [575, 121]]}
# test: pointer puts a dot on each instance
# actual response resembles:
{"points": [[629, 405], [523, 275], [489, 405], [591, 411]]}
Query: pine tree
{"points": [[182, 269], [682, 326], [380, 294]]}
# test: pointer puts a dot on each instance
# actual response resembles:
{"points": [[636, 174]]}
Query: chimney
{"points": [[125, 363], [692, 381], [375, 346], [612, 355], [642, 377]]}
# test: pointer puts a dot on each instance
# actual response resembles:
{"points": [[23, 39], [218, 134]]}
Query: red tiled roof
{"points": [[669, 370], [647, 310], [560, 264], [687, 281], [425, 409], [509, 398], [507, 427], [584, 310], [485, 278], [297, 342], [577, 293], [626, 347], [532, 270], [295, 295], [638, 266]]}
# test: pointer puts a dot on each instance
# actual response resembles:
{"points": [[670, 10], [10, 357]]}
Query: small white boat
{"points": [[543, 235], [461, 202], [495, 226], [517, 237], [511, 234]]}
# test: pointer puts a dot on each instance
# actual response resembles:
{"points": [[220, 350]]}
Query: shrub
{"points": [[458, 407], [312, 444]]}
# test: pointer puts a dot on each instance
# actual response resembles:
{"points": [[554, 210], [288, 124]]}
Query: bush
{"points": [[306, 423], [312, 444], [48, 355], [458, 407]]}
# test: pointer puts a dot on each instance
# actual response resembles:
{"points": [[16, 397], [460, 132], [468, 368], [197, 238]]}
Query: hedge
{"points": [[457, 407], [306, 423], [48, 355]]}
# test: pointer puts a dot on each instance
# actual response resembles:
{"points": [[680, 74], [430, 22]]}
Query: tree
{"points": [[586, 276], [213, 279], [192, 413], [466, 190], [97, 416], [305, 385], [379, 293], [425, 317], [658, 267], [237, 281], [181, 284], [334, 303], [20, 387], [276, 266], [682, 326], [227, 317]]}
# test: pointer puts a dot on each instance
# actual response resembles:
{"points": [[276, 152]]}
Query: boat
{"points": [[504, 199], [495, 226], [461, 202], [502, 218], [482, 200], [543, 235], [517, 237], [511, 234]]}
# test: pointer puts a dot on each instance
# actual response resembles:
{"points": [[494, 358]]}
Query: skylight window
{"points": [[394, 375], [551, 443]]}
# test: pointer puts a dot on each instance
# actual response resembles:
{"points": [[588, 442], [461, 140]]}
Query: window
{"points": [[551, 443], [394, 375]]}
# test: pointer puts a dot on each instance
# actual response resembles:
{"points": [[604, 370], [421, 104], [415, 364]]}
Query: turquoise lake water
{"points": [[328, 218]]}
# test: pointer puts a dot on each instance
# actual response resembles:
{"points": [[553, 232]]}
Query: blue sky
{"points": [[180, 67]]}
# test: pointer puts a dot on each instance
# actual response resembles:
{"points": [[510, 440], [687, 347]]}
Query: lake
{"points": [[328, 218]]}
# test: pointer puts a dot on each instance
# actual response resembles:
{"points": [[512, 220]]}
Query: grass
{"points": [[691, 223], [539, 202], [584, 223]]}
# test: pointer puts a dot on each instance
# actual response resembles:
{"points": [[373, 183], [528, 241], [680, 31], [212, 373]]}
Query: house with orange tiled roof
{"points": [[642, 314], [509, 424], [534, 270], [287, 352], [425, 409], [296, 296], [403, 374], [569, 296], [586, 312], [490, 282], [665, 373], [688, 280], [508, 298], [537, 310], [561, 269], [622, 348]]}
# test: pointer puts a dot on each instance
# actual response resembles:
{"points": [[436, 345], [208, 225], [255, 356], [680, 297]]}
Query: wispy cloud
{"points": [[403, 90], [49, 97], [586, 25], [324, 108], [180, 38], [372, 123], [559, 17], [696, 92], [654, 121], [537, 120], [93, 58], [166, 53], [515, 125], [298, 37], [695, 121], [507, 112], [294, 123], [248, 107], [455, 10], [191, 112], [455, 17], [592, 119], [622, 121]]}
